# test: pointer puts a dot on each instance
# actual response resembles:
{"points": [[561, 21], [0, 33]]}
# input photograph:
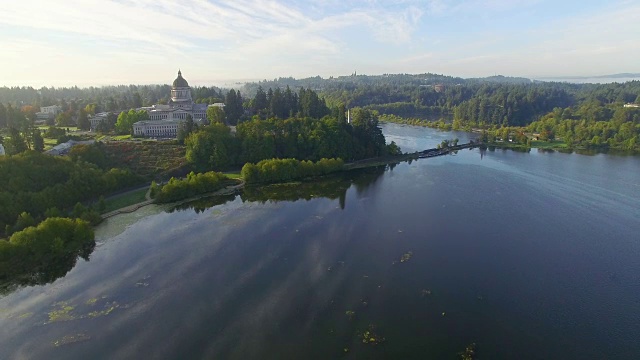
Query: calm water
{"points": [[529, 255]]}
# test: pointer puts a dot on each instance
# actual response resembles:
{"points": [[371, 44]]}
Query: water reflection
{"points": [[330, 187], [57, 266]]}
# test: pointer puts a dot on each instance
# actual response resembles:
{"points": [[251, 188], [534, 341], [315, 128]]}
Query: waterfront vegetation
{"points": [[283, 170], [193, 185], [42, 186], [42, 253]]}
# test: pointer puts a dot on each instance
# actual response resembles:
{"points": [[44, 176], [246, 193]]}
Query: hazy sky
{"points": [[99, 42]]}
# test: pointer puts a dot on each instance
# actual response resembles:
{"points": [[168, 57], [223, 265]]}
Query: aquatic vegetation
{"points": [[469, 352], [370, 336], [350, 314], [25, 315], [405, 257], [71, 339], [109, 307], [142, 282], [91, 301], [62, 313]]}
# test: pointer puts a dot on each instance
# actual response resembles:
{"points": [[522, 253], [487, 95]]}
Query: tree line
{"points": [[42, 253], [193, 185], [283, 170], [215, 147], [37, 186]]}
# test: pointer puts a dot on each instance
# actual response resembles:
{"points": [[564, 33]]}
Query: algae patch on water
{"points": [[67, 311], [71, 339], [469, 352], [62, 312], [108, 309], [405, 257], [371, 336]]}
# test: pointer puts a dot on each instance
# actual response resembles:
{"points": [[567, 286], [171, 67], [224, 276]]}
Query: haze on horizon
{"points": [[109, 42]]}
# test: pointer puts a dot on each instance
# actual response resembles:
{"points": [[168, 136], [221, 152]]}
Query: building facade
{"points": [[97, 119], [48, 113], [164, 120]]}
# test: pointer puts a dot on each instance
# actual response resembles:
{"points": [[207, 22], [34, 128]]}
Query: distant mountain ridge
{"points": [[612, 76]]}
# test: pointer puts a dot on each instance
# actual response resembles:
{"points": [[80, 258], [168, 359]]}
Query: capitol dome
{"points": [[180, 81], [180, 91]]}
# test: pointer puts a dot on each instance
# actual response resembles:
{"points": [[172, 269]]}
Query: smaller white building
{"points": [[48, 112], [2, 150], [157, 128], [97, 119], [632, 105]]}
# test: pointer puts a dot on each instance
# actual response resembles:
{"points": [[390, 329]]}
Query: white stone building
{"points": [[96, 119], [164, 120], [48, 112]]}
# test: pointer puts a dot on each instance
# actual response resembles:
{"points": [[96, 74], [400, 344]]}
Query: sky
{"points": [[110, 42]]}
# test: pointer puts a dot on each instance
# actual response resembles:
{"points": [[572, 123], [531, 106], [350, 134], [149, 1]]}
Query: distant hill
{"points": [[612, 76], [502, 79]]}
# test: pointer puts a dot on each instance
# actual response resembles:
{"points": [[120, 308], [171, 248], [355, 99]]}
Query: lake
{"points": [[528, 255]]}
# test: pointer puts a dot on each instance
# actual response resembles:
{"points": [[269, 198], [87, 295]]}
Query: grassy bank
{"points": [[124, 200]]}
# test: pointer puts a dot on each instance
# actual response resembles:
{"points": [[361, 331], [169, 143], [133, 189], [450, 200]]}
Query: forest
{"points": [[37, 186], [216, 148]]}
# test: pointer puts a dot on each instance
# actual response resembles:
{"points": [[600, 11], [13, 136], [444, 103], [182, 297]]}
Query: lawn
{"points": [[553, 144], [49, 143], [121, 137], [233, 175], [124, 200]]}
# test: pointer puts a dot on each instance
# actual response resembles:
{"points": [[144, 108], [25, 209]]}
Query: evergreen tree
{"points": [[15, 143], [83, 120], [233, 107], [37, 140], [260, 103], [3, 116]]}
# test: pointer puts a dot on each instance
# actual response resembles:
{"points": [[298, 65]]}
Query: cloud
{"points": [[140, 40]]}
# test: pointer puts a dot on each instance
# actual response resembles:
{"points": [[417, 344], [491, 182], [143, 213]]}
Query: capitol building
{"points": [[164, 120]]}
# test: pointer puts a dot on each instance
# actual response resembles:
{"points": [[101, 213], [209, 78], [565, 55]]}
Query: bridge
{"points": [[446, 150], [395, 159]]}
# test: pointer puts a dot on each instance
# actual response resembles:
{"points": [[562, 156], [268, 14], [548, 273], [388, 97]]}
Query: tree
{"points": [[233, 107], [3, 116], [29, 112], [126, 119], [215, 115], [64, 119], [83, 120], [137, 100], [212, 148], [16, 143], [108, 124], [186, 128], [259, 103], [90, 109], [37, 140]]}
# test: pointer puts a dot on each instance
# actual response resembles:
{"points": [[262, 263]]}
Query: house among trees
{"points": [[164, 120], [48, 113]]}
